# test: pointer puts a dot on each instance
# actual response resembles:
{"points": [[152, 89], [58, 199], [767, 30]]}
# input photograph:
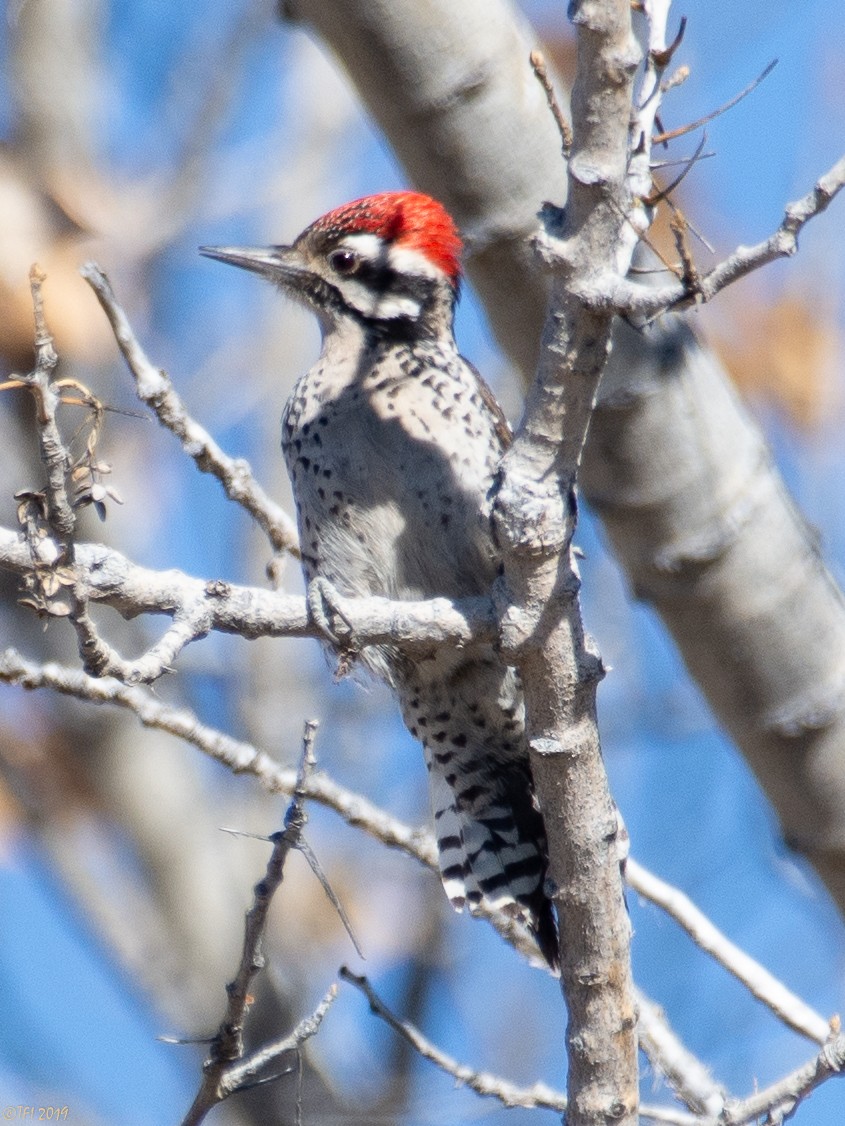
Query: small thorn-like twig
{"points": [[295, 820], [679, 227], [665, 193], [314, 865], [538, 64], [672, 134], [663, 57], [632, 300], [227, 1068], [678, 162]]}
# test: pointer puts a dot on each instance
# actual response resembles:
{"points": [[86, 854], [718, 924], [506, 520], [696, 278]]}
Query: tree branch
{"points": [[154, 388], [483, 1083], [630, 299], [226, 1069], [242, 758], [794, 1012], [198, 606], [534, 517], [685, 1074]]}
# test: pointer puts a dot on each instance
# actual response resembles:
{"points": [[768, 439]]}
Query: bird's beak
{"points": [[273, 262]]}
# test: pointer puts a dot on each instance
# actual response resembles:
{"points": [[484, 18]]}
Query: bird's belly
{"points": [[385, 515]]}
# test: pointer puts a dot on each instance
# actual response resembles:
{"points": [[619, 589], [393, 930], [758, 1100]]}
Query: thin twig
{"points": [[779, 1101], [679, 227], [688, 1078], [484, 1083], [60, 576], [226, 1069], [243, 1074], [757, 980], [629, 299], [54, 454], [242, 758], [314, 864], [154, 388], [664, 193], [538, 64], [671, 134], [687, 1075]]}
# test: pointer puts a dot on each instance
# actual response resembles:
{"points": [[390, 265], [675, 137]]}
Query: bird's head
{"points": [[391, 260]]}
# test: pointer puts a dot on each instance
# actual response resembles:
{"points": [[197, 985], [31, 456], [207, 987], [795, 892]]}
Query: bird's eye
{"points": [[344, 261]]}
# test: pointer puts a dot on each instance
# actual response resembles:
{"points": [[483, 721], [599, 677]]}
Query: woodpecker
{"points": [[392, 442]]}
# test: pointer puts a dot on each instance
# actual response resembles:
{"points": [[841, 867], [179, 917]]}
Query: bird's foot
{"points": [[325, 611]]}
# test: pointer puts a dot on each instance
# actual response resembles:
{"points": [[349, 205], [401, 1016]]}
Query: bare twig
{"points": [[760, 983], [154, 388], [242, 758], [313, 863], [538, 64], [246, 1072], [226, 1070], [671, 134], [687, 1076], [780, 1101], [679, 228], [484, 1083], [689, 1079], [54, 455], [630, 299], [664, 193], [53, 570]]}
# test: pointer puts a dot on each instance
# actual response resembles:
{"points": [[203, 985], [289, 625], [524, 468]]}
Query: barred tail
{"points": [[490, 855], [467, 711]]}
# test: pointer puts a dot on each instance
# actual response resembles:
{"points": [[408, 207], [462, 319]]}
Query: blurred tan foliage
{"points": [[786, 351], [34, 228], [782, 348]]}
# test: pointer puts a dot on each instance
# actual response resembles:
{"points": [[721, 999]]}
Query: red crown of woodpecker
{"points": [[409, 220]]}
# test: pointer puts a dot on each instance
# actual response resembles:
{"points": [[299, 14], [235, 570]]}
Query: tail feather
{"points": [[467, 712], [502, 871]]}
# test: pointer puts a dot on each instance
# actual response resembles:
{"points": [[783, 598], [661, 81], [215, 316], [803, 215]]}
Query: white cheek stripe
{"points": [[368, 245], [394, 308], [407, 261]]}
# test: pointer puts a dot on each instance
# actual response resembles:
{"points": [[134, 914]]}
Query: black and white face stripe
{"points": [[381, 282]]}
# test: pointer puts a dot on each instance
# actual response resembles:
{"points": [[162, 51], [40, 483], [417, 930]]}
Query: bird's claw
{"points": [[323, 601]]}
